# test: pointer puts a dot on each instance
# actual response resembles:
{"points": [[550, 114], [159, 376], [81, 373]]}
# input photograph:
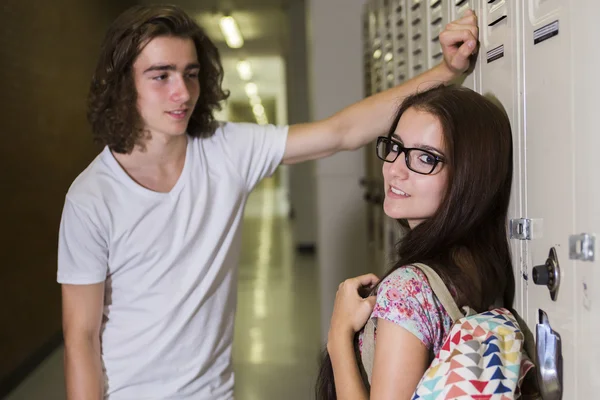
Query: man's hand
{"points": [[459, 42]]}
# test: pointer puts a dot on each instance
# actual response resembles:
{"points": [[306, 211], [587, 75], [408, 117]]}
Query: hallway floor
{"points": [[276, 346]]}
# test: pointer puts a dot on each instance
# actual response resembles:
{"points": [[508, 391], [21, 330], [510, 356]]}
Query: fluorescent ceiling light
{"points": [[231, 32], [251, 89], [258, 109], [244, 70], [254, 100]]}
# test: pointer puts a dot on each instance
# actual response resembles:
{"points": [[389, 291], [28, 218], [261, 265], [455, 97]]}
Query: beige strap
{"points": [[441, 291]]}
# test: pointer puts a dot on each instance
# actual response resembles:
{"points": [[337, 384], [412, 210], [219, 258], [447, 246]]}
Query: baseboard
{"points": [[19, 374]]}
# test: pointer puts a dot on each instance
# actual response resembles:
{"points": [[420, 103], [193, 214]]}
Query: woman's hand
{"points": [[351, 311], [459, 42]]}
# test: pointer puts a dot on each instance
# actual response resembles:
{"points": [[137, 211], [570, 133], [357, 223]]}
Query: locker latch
{"points": [[520, 228], [581, 247]]}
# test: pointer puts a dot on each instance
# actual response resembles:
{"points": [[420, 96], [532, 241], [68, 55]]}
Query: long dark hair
{"points": [[465, 241], [112, 99]]}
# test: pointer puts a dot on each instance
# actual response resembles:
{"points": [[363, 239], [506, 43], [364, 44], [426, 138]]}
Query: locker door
{"points": [[549, 160], [387, 19], [457, 8], [586, 64], [436, 21], [400, 37], [370, 37], [500, 77], [400, 44], [417, 37]]}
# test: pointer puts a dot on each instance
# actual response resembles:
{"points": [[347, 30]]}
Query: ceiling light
{"points": [[254, 100], [244, 70], [251, 89], [258, 109], [231, 32]]}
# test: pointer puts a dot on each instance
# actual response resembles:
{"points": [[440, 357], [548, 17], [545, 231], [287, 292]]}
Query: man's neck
{"points": [[158, 151]]}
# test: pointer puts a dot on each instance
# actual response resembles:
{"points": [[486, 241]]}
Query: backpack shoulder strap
{"points": [[441, 291]]}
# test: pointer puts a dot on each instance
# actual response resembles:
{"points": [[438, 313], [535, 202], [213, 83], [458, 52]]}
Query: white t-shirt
{"points": [[169, 261]]}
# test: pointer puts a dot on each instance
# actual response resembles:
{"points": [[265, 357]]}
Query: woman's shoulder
{"points": [[406, 275]]}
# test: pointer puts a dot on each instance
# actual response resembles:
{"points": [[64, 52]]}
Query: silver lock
{"points": [[549, 359], [548, 274]]}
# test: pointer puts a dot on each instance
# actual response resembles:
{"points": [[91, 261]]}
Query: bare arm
{"points": [[399, 364], [362, 122], [82, 317]]}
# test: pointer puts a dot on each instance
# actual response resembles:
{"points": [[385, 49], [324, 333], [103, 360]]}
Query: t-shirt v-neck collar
{"points": [[114, 165]]}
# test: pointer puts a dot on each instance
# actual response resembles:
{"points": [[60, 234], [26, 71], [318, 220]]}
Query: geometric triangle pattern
{"points": [[481, 359]]}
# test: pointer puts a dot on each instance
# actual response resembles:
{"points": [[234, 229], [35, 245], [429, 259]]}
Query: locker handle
{"points": [[498, 20], [460, 2]]}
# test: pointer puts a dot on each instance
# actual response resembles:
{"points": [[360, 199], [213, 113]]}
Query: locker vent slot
{"points": [[460, 2], [437, 21], [435, 3], [498, 20]]}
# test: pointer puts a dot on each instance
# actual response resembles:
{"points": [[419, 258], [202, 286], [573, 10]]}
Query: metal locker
{"points": [[457, 9], [387, 19], [368, 90], [417, 37], [437, 18], [376, 46], [584, 241], [548, 165], [499, 71], [369, 36], [400, 37]]}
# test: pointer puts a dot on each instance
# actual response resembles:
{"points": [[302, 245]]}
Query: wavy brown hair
{"points": [[112, 100], [465, 241]]}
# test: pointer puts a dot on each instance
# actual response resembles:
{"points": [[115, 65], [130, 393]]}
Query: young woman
{"points": [[447, 174]]}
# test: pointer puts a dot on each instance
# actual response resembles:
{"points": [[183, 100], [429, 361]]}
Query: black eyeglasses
{"points": [[417, 160]]}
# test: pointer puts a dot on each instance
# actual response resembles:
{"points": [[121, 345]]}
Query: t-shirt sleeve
{"points": [[255, 150], [406, 299], [82, 248]]}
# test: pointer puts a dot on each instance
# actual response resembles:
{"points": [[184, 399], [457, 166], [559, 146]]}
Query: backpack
{"points": [[483, 356]]}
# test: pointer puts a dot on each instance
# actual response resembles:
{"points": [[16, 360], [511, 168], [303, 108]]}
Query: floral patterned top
{"points": [[405, 298]]}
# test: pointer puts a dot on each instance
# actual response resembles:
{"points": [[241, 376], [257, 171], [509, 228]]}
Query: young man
{"points": [[150, 232]]}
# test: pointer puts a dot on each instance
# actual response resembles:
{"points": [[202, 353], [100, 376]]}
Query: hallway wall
{"points": [[47, 51]]}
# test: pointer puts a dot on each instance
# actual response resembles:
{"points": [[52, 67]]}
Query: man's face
{"points": [[166, 78]]}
